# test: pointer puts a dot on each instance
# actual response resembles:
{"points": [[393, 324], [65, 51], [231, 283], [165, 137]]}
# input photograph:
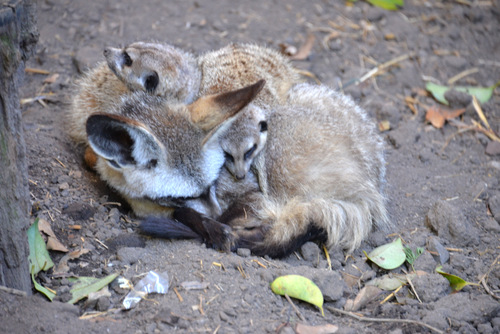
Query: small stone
{"points": [[457, 63], [449, 223], [425, 262], [331, 284], [494, 205], [310, 252], [493, 148], [103, 304], [243, 252], [79, 211], [435, 246], [431, 287], [457, 99], [130, 255], [114, 216], [64, 186]]}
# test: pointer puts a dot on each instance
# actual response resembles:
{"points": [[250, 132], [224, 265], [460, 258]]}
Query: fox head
{"points": [[164, 153], [156, 68]]}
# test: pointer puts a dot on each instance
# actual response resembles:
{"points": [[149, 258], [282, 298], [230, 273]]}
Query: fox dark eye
{"points": [[151, 82], [127, 60], [249, 153], [263, 126], [228, 157]]}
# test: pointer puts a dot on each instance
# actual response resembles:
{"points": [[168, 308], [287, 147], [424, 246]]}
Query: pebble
{"points": [[310, 252], [435, 246], [79, 211], [494, 205], [458, 63], [431, 287], [449, 223], [243, 252], [493, 148], [130, 255], [331, 284]]}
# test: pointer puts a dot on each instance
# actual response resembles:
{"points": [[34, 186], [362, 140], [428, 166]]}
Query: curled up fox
{"points": [[318, 176]]}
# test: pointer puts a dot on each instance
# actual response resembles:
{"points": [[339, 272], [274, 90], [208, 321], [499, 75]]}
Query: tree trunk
{"points": [[18, 36]]}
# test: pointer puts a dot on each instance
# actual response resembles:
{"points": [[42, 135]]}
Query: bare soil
{"points": [[442, 184]]}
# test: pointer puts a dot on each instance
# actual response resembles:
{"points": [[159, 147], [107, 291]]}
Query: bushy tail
{"points": [[335, 222], [162, 227]]}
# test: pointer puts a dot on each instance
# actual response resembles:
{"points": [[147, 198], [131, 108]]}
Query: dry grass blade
{"points": [[301, 317], [305, 49], [367, 319], [483, 279], [461, 75]]}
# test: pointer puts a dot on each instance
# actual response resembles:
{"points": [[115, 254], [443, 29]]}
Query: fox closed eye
{"points": [[127, 59], [228, 156], [248, 153]]}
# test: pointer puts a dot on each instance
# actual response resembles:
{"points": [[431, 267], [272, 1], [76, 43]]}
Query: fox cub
{"points": [[323, 163]]}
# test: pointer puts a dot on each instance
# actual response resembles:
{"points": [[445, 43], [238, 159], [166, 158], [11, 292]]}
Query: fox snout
{"points": [[240, 176]]}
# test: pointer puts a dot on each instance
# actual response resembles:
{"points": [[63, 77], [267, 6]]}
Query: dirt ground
{"points": [[442, 184]]}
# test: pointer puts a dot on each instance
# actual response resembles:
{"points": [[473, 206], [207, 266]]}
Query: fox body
{"points": [[323, 166]]}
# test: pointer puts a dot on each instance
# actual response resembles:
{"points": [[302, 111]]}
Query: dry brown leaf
{"points": [[321, 329], [52, 242], [51, 79], [63, 267], [305, 49], [365, 295], [437, 116]]}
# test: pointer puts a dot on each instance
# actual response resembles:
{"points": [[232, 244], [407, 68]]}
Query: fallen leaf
{"points": [[298, 287], [321, 329], [387, 282], [84, 285], [51, 79], [456, 283], [39, 257], [63, 267], [483, 94], [365, 295], [305, 49], [52, 242], [387, 4], [437, 116], [388, 256]]}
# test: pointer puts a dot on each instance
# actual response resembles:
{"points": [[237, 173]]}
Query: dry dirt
{"points": [[442, 184]]}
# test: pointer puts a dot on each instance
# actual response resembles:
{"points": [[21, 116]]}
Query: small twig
{"points": [[462, 74], [200, 307], [413, 288], [13, 291], [60, 162], [301, 317], [178, 295], [367, 319], [101, 243], [483, 279], [112, 203]]}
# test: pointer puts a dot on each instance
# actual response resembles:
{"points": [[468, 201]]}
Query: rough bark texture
{"points": [[18, 36]]}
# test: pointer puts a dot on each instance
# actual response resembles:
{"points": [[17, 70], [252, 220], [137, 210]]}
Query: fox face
{"points": [[164, 153], [159, 69], [244, 141]]}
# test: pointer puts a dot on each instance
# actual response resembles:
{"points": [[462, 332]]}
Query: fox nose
{"points": [[240, 176], [106, 52]]}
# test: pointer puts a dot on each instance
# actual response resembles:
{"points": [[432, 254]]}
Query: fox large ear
{"points": [[122, 141], [210, 111]]}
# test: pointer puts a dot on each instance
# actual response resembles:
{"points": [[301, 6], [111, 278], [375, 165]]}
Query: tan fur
{"points": [[323, 164]]}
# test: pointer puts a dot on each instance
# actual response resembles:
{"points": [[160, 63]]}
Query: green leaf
{"points": [[411, 256], [483, 94], [388, 256], [39, 257], [85, 285], [456, 283], [48, 293], [387, 4], [298, 287], [388, 283]]}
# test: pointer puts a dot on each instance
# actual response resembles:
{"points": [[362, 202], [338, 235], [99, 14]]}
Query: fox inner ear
{"points": [[121, 141], [210, 111]]}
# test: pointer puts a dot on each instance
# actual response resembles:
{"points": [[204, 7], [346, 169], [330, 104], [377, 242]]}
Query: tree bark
{"points": [[18, 36]]}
